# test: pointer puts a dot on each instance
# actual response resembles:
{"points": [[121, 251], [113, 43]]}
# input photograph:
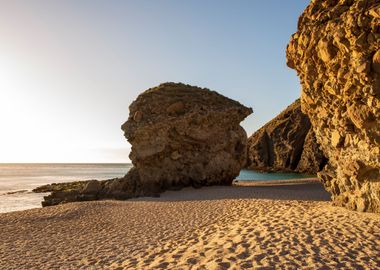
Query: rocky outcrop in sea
{"points": [[336, 53], [287, 143], [181, 136]]}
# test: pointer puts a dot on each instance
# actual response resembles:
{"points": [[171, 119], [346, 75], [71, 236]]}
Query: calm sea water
{"points": [[18, 180], [263, 176]]}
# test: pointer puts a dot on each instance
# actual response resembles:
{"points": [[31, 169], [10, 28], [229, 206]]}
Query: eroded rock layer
{"points": [[336, 53], [286, 143], [181, 136]]}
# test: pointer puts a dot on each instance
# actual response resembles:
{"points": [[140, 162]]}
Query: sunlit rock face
{"points": [[183, 135], [336, 53], [286, 143]]}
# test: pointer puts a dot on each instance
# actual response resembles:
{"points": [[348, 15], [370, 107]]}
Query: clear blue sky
{"points": [[69, 69]]}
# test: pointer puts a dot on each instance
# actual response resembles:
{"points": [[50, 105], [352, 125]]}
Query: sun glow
{"points": [[34, 130]]}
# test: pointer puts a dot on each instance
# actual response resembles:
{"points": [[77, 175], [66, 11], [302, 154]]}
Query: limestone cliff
{"points": [[336, 53], [286, 143], [181, 136]]}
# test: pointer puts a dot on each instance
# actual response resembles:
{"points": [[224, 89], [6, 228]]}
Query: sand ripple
{"points": [[210, 228]]}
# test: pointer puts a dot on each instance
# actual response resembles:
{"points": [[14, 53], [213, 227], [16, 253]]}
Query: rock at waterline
{"points": [[181, 135]]}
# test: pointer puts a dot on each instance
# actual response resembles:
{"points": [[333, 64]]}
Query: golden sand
{"points": [[281, 227]]}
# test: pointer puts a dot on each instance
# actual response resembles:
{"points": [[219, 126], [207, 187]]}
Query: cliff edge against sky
{"points": [[336, 53]]}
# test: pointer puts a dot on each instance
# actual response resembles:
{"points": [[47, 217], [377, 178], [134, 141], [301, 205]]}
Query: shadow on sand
{"points": [[302, 192]]}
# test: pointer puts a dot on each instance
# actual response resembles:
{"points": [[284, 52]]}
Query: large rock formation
{"points": [[286, 143], [336, 53], [181, 135]]}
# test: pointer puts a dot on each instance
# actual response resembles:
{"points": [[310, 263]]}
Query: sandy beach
{"points": [[280, 227]]}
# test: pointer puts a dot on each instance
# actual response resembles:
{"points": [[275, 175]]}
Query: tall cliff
{"points": [[286, 143], [336, 53]]}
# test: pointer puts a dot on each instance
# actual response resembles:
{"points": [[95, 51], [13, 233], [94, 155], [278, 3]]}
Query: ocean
{"points": [[18, 180]]}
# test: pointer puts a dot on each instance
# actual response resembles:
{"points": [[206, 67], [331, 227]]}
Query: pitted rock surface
{"points": [[336, 53]]}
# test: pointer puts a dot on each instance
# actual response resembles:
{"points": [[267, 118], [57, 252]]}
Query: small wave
{"points": [[16, 192]]}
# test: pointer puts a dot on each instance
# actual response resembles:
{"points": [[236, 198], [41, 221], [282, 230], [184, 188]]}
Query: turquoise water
{"points": [[263, 176], [18, 180]]}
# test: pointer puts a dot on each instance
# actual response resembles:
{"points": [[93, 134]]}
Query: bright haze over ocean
{"points": [[70, 69], [18, 180]]}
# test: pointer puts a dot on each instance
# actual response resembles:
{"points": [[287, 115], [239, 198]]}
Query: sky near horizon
{"points": [[69, 69]]}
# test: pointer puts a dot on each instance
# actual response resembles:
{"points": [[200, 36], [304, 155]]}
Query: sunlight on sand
{"points": [[291, 227]]}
